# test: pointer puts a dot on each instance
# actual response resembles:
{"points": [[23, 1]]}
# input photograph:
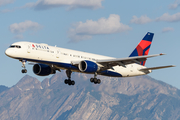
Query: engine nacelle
{"points": [[88, 66], [42, 70]]}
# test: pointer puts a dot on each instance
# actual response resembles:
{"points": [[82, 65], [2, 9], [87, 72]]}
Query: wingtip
{"points": [[173, 65], [162, 54]]}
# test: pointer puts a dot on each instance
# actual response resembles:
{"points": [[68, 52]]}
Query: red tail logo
{"points": [[143, 47]]}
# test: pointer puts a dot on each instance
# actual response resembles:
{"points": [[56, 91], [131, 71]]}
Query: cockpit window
{"points": [[15, 46]]}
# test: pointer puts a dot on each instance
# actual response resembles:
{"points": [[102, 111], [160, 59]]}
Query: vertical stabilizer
{"points": [[143, 47]]}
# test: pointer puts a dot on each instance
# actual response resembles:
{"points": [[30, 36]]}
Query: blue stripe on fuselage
{"points": [[110, 73]]}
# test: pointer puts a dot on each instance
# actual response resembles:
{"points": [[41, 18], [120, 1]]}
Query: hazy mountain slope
{"points": [[3, 88], [138, 98]]}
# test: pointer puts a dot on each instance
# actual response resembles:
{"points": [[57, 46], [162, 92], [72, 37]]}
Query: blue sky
{"points": [[112, 28]]}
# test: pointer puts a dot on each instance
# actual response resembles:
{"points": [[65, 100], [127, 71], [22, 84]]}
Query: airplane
{"points": [[47, 60]]}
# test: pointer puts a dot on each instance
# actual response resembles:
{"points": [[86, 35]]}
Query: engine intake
{"points": [[88, 66], [42, 70]]}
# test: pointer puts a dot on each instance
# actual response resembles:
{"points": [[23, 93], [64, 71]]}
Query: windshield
{"points": [[15, 46]]}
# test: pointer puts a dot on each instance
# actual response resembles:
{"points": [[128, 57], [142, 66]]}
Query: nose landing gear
{"points": [[24, 71], [23, 65]]}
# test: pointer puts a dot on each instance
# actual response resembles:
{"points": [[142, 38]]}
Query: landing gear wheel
{"points": [[24, 71], [69, 81], [73, 82], [23, 65], [98, 81], [95, 80], [66, 81], [92, 80]]}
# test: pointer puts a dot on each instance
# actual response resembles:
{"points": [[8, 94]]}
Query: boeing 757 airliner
{"points": [[48, 59]]}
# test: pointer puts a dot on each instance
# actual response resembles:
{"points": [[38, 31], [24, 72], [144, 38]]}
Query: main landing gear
{"points": [[69, 81], [72, 82], [95, 80], [23, 65]]}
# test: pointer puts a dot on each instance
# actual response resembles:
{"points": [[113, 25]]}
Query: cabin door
{"points": [[58, 53], [29, 48]]}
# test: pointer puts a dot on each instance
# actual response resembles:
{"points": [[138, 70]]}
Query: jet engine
{"points": [[43, 70], [88, 66]]}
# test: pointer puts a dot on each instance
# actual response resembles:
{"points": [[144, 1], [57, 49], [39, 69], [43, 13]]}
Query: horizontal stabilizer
{"points": [[155, 68]]}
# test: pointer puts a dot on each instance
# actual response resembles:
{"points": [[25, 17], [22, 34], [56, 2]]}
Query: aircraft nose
{"points": [[9, 52]]}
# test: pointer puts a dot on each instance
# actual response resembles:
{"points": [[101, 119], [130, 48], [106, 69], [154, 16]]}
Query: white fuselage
{"points": [[64, 58]]}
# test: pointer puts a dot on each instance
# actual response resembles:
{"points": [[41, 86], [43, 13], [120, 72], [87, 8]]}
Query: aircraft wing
{"points": [[109, 63]]}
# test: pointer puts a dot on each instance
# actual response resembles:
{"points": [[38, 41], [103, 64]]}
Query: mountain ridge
{"points": [[138, 98]]}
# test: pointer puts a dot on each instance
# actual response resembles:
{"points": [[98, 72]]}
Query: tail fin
{"points": [[143, 47]]}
